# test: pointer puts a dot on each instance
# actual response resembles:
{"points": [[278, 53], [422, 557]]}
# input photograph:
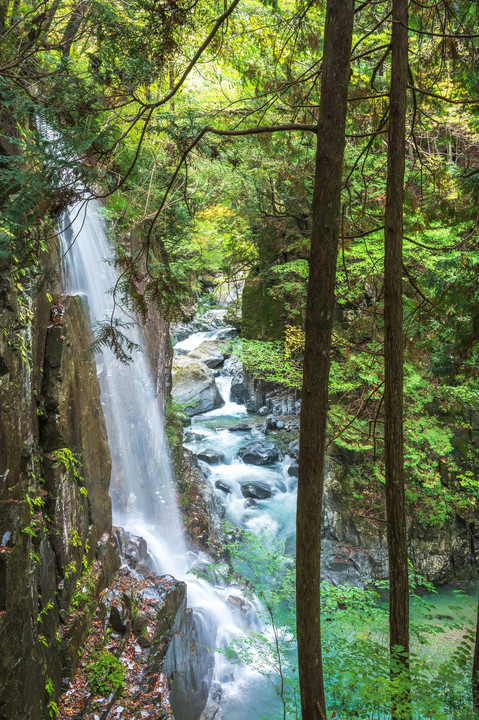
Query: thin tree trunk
{"points": [[319, 321], [475, 660], [394, 356], [76, 17], [475, 669]]}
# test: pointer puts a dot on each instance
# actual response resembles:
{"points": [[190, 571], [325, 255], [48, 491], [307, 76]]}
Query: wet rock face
{"points": [[55, 513], [234, 367], [355, 548], [18, 425], [73, 417], [259, 453], [189, 663], [194, 386]]}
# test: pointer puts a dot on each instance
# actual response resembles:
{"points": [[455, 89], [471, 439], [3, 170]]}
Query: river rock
{"points": [[210, 456], [209, 353], [240, 428], [194, 386], [271, 422], [223, 486], [293, 449], [259, 453], [293, 469], [234, 367], [227, 333], [256, 490], [237, 389]]}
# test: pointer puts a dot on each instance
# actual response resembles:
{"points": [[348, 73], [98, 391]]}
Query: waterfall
{"points": [[142, 488]]}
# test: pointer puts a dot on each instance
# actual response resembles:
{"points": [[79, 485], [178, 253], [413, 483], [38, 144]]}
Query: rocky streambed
{"points": [[244, 436]]}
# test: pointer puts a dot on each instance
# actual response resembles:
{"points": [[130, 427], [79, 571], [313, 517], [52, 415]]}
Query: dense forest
{"points": [[295, 182]]}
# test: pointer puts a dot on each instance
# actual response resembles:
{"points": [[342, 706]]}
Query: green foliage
{"points": [[105, 673], [110, 334], [270, 651], [52, 707], [84, 595], [268, 360], [65, 458], [355, 642]]}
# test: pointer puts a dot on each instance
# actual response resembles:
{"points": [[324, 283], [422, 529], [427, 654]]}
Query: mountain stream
{"points": [[142, 487]]}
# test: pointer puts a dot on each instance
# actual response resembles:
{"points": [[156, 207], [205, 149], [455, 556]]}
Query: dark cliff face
{"points": [[55, 511], [57, 551]]}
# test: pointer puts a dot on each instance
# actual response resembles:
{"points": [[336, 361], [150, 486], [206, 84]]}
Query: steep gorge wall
{"points": [[55, 511], [57, 549]]}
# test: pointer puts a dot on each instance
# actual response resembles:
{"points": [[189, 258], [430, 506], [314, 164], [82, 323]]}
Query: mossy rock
{"points": [[262, 313]]}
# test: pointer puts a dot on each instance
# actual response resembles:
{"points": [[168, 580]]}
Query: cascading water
{"points": [[142, 490]]}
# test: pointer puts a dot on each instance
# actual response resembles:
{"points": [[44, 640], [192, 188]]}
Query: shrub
{"points": [[105, 673]]}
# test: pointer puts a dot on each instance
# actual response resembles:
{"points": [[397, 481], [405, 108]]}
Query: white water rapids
{"points": [[142, 488]]}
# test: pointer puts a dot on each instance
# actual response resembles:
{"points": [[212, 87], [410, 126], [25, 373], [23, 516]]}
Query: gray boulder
{"points": [[234, 367], [243, 427], [209, 353], [259, 453], [223, 486], [194, 386], [210, 456], [256, 490]]}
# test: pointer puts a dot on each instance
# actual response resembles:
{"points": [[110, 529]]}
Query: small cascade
{"points": [[231, 409], [192, 341]]}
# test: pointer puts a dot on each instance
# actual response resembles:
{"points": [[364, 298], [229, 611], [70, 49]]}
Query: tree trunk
{"points": [[394, 355], [319, 321], [475, 669]]}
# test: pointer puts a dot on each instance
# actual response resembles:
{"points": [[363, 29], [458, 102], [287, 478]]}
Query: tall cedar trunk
{"points": [[475, 669], [393, 347], [319, 321]]}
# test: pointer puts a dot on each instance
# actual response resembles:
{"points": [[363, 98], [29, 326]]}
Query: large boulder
{"points": [[209, 353], [256, 490], [234, 367], [194, 386], [210, 456], [259, 453]]}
